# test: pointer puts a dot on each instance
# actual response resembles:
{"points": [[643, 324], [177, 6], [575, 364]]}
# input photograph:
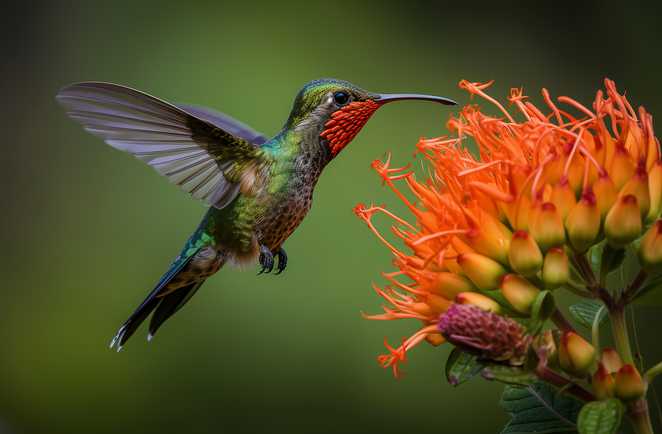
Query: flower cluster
{"points": [[496, 226]]}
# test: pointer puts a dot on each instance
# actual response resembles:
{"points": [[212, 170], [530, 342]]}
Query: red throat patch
{"points": [[345, 124]]}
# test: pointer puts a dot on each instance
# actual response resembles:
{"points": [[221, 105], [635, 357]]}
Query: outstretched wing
{"points": [[224, 122], [205, 155]]}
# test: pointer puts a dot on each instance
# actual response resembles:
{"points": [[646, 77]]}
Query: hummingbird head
{"points": [[336, 110]]}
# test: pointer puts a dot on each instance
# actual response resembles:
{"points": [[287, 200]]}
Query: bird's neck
{"points": [[302, 142]]}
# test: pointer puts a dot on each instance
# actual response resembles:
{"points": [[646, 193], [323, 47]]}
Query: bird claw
{"points": [[266, 260], [282, 260]]}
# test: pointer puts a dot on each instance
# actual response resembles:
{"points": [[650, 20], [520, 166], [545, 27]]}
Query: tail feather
{"points": [[154, 300], [131, 325], [170, 304]]}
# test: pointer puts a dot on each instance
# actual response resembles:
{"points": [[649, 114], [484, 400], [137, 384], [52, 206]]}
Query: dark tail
{"points": [[161, 301], [163, 308]]}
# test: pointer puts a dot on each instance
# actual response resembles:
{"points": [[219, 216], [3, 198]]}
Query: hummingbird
{"points": [[258, 190]]}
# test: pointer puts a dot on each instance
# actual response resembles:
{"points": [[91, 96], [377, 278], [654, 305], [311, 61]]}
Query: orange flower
{"points": [[549, 174]]}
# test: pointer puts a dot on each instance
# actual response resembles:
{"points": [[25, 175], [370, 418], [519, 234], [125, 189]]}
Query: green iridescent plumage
{"points": [[258, 190]]}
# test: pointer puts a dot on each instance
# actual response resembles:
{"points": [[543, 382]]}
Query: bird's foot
{"points": [[282, 260], [266, 260]]}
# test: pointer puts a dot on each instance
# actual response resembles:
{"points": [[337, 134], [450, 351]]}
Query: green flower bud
{"points": [[519, 292], [491, 239], [583, 223], [547, 227], [623, 222], [563, 197], [650, 249], [603, 383], [484, 272], [478, 300], [524, 255], [629, 384], [638, 187], [605, 194], [576, 355], [555, 269], [448, 285]]}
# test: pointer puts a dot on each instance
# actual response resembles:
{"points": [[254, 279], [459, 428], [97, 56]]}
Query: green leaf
{"points": [[539, 408], [461, 367], [600, 417], [585, 311], [511, 375]]}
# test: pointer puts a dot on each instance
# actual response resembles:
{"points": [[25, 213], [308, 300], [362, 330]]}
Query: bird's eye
{"points": [[341, 98]]}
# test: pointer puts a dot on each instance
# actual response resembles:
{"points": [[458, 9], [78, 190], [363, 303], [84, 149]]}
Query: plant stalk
{"points": [[637, 410], [551, 377], [653, 372], [640, 416], [621, 338]]}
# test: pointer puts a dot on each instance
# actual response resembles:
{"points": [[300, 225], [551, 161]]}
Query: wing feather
{"points": [[193, 147], [225, 122]]}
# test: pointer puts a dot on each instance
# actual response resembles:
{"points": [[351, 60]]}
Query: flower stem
{"points": [[551, 377], [562, 322], [620, 332], [640, 416], [578, 289], [631, 291], [637, 410], [585, 270], [653, 372]]}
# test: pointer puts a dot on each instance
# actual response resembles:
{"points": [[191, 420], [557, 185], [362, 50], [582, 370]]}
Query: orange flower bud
{"points": [[576, 355], [521, 213], [563, 197], [484, 272], [621, 168], [603, 383], [519, 292], [547, 227], [629, 384], [623, 222], [555, 269], [605, 194], [611, 360], [524, 255], [655, 190], [583, 223], [491, 239], [638, 186], [448, 285], [478, 300], [650, 249]]}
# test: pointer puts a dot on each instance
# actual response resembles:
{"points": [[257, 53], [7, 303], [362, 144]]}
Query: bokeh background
{"points": [[87, 230]]}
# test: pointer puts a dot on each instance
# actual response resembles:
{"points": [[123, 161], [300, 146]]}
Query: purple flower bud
{"points": [[488, 335]]}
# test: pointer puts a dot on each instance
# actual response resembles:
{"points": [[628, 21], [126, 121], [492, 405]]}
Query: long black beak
{"points": [[384, 98]]}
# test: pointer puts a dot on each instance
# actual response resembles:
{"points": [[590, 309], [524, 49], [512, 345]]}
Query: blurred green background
{"points": [[87, 230]]}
